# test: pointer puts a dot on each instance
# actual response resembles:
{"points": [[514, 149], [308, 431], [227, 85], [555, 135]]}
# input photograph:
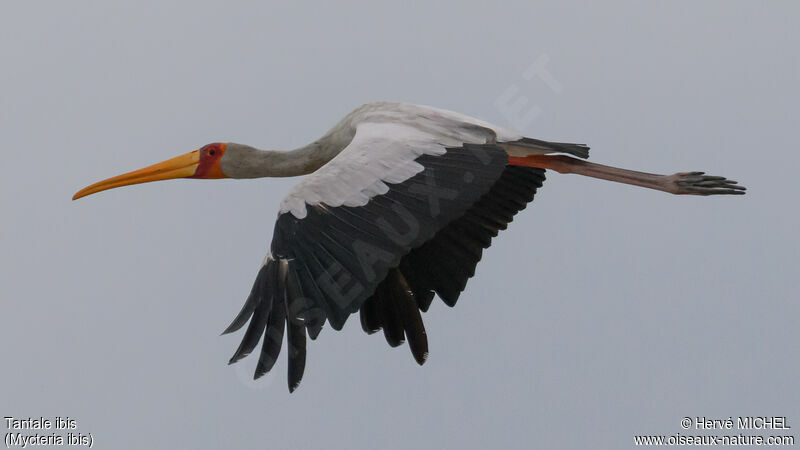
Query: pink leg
{"points": [[691, 183]]}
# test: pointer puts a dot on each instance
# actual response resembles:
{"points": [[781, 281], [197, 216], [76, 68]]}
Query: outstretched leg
{"points": [[694, 183]]}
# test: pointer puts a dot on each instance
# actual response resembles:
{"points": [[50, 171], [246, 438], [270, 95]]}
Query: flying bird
{"points": [[398, 203]]}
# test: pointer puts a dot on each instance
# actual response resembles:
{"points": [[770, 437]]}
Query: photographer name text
{"points": [[736, 423]]}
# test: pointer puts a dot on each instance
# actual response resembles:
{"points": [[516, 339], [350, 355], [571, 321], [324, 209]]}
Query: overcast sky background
{"points": [[604, 311]]}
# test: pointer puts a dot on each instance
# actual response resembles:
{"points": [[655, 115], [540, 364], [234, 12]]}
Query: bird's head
{"points": [[205, 162]]}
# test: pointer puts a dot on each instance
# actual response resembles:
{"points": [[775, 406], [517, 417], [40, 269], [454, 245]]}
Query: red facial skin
{"points": [[209, 166]]}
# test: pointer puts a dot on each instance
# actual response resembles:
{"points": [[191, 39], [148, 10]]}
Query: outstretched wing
{"points": [[443, 264], [343, 227], [349, 232]]}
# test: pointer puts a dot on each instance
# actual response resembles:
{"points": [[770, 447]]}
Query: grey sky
{"points": [[604, 311]]}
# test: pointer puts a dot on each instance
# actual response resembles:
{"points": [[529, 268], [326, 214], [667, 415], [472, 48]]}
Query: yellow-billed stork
{"points": [[399, 203]]}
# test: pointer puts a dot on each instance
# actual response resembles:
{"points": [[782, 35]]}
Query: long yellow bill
{"points": [[183, 166]]}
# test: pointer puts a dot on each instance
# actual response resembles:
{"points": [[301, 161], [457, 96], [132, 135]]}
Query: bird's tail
{"points": [[529, 146]]}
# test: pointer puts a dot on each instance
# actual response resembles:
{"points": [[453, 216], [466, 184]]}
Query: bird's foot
{"points": [[697, 183]]}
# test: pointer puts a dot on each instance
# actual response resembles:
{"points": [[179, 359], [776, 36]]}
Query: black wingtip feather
{"points": [[314, 329], [296, 341], [253, 300], [390, 318], [370, 318], [261, 290], [251, 336], [410, 316], [424, 301], [273, 339]]}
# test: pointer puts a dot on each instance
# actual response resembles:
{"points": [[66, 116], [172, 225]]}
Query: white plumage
{"points": [[388, 138]]}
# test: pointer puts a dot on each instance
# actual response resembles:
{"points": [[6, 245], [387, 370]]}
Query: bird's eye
{"points": [[211, 152]]}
